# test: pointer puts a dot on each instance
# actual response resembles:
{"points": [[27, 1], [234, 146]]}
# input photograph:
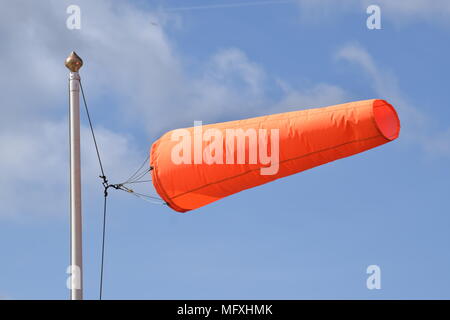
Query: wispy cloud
{"points": [[416, 125], [34, 166], [225, 5], [136, 82], [397, 12], [142, 88], [318, 95]]}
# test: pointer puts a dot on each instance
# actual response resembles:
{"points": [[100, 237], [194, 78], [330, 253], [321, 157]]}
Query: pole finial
{"points": [[73, 62]]}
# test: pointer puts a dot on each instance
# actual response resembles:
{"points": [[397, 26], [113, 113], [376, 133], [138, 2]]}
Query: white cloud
{"points": [[131, 63], [318, 11], [396, 11], [416, 126], [31, 162], [233, 61], [35, 166], [412, 10], [127, 58], [322, 94]]}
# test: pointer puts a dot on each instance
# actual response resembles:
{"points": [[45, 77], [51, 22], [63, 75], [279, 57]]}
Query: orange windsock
{"points": [[196, 166]]}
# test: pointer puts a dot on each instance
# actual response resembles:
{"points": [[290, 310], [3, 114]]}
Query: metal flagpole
{"points": [[74, 63]]}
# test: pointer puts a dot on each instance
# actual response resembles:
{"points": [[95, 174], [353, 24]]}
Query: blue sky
{"points": [[149, 69]]}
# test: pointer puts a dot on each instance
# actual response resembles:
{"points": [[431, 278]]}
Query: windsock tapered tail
{"points": [[195, 166]]}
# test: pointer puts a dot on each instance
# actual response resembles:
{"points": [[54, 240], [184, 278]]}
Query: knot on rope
{"points": [[117, 186], [105, 184]]}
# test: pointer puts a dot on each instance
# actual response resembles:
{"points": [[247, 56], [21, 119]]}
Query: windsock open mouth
{"points": [[386, 119]]}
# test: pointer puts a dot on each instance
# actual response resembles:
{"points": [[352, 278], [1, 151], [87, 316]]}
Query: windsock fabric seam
{"points": [[291, 159]]}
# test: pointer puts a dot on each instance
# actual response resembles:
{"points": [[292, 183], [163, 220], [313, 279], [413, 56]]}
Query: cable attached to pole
{"points": [[103, 244], [135, 178], [92, 132], [105, 186]]}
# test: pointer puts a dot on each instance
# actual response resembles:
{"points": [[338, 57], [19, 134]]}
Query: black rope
{"points": [[141, 181], [105, 186], [137, 171], [92, 131], [147, 196], [133, 179], [103, 245], [140, 176]]}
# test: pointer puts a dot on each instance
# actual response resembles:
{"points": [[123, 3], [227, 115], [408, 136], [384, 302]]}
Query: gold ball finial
{"points": [[73, 62]]}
